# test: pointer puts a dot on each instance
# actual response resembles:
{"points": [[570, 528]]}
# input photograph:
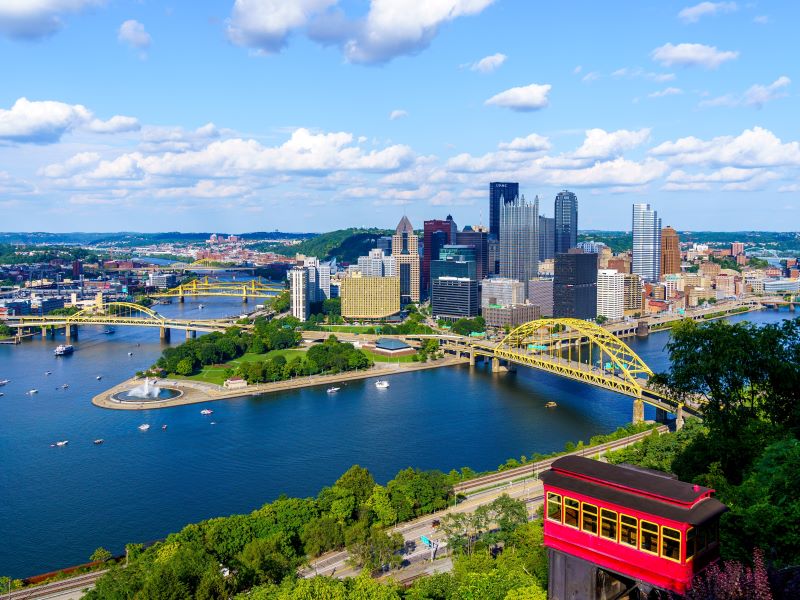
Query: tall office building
{"points": [[479, 241], [405, 249], [575, 285], [377, 264], [369, 297], [670, 252], [319, 279], [632, 300], [547, 238], [519, 239], [540, 292], [298, 284], [566, 221], [454, 283], [435, 234], [646, 242], [384, 243], [610, 294], [500, 193]]}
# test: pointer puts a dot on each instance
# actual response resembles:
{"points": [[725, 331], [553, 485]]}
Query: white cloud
{"points": [[397, 114], [531, 143], [723, 175], [757, 147], [669, 91], [577, 70], [132, 32], [33, 19], [44, 122], [590, 76], [692, 55], [71, 166], [524, 98], [639, 73], [488, 64], [761, 20], [600, 144], [692, 14], [756, 96], [266, 24]]}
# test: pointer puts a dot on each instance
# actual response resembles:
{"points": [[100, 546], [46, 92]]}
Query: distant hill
{"points": [[344, 244]]}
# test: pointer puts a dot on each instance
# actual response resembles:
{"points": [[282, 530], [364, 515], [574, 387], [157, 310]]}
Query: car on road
{"points": [[435, 523]]}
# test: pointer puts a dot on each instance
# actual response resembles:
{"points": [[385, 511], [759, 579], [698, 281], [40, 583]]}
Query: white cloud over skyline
{"points": [[523, 99], [692, 55]]}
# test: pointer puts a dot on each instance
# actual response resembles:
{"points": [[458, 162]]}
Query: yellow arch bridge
{"points": [[255, 288], [579, 350], [113, 314]]}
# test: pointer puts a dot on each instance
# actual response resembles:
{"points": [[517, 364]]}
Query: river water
{"points": [[58, 504]]}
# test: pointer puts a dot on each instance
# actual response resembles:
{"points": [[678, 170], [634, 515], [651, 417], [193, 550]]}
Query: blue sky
{"points": [[310, 115]]}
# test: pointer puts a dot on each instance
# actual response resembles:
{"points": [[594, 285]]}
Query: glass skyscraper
{"points": [[519, 240], [646, 262], [509, 192], [566, 215]]}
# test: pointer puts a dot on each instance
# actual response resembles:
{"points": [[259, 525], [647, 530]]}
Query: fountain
{"points": [[146, 391]]}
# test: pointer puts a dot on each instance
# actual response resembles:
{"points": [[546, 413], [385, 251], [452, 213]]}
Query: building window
{"points": [[608, 524], [571, 512], [671, 543], [649, 539], [554, 506], [589, 523], [628, 530]]}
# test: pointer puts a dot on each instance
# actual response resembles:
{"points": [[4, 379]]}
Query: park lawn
{"points": [[388, 359], [348, 328], [216, 374]]}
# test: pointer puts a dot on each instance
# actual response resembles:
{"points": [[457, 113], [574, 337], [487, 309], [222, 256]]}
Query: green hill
{"points": [[344, 244]]}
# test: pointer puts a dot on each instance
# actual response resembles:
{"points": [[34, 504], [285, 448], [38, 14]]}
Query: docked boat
{"points": [[382, 384], [64, 349], [144, 427], [99, 441], [550, 405], [333, 390], [206, 411]]}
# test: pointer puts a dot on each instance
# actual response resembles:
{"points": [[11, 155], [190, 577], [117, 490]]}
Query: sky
{"points": [[314, 115]]}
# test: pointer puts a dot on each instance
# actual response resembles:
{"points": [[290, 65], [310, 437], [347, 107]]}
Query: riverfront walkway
{"points": [[194, 392]]}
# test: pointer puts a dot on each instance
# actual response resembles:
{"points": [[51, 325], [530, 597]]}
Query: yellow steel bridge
{"points": [[579, 350], [114, 314], [254, 288]]}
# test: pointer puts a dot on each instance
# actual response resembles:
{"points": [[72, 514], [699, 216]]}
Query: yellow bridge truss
{"points": [[254, 288]]}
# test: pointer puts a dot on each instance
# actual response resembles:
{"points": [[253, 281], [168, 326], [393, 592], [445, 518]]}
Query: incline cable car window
{"points": [[691, 543], [554, 506], [671, 543], [628, 530], [571, 511], [608, 524], [589, 518], [649, 539]]}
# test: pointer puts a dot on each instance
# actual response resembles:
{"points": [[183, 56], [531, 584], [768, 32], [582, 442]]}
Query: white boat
{"points": [[206, 411], [61, 444], [163, 428], [333, 390], [144, 427], [99, 441], [200, 307], [130, 353], [2, 394], [99, 377], [381, 384], [48, 372], [64, 349], [550, 405], [64, 386], [32, 392], [4, 381]]}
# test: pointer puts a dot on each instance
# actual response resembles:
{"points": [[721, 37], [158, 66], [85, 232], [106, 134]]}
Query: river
{"points": [[58, 504]]}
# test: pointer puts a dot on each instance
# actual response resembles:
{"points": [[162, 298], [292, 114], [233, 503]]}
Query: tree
{"points": [[321, 535], [100, 555], [381, 504], [600, 319]]}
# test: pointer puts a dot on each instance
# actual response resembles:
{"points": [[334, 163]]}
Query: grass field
{"points": [[217, 374], [387, 359], [347, 328]]}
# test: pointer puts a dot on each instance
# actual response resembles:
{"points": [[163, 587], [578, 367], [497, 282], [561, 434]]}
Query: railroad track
{"points": [[49, 589], [530, 469]]}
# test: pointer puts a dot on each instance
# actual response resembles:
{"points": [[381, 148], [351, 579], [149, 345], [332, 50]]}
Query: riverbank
{"points": [[195, 392]]}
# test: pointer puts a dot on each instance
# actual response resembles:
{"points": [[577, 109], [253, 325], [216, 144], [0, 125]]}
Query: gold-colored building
{"points": [[369, 297], [405, 250], [670, 252]]}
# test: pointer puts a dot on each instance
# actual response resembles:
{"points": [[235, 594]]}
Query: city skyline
{"points": [[234, 117]]}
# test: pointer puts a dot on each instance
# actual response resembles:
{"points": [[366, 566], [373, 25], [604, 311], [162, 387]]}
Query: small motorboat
{"points": [[2, 394], [64, 386], [206, 411], [333, 390], [99, 441], [4, 381], [163, 428], [60, 444], [144, 427], [381, 384], [130, 353], [213, 423], [99, 377], [32, 392], [48, 372], [108, 330], [550, 405], [200, 307]]}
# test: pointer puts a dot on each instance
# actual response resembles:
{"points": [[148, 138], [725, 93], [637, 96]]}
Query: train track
{"points": [[531, 469], [50, 589]]}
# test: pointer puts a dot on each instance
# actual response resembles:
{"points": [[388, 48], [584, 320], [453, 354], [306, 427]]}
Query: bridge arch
{"points": [[121, 311]]}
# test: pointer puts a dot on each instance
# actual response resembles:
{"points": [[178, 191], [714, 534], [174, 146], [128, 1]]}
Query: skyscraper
{"points": [[646, 242], [547, 238], [519, 239], [670, 252], [435, 234], [405, 249], [454, 283], [566, 216], [575, 285], [610, 294], [509, 192], [479, 241], [298, 283]]}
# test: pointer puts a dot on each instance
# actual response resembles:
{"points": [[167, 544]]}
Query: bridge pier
{"points": [[472, 357], [244, 299], [661, 415], [638, 410], [191, 334], [180, 299], [164, 334], [71, 331], [47, 331], [679, 417], [499, 367]]}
